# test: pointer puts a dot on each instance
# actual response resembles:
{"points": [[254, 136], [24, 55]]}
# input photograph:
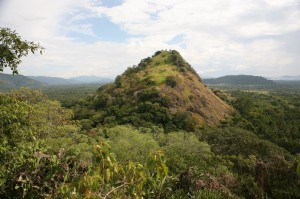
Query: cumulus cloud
{"points": [[256, 37]]}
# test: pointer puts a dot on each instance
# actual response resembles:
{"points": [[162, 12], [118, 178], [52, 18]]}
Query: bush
{"points": [[185, 121], [27, 168], [171, 81], [183, 150], [129, 144], [148, 95], [109, 178]]}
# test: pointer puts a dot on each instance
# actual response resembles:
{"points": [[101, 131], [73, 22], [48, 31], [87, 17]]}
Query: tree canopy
{"points": [[13, 48]]}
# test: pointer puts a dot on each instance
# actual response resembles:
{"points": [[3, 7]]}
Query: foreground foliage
{"points": [[108, 178], [27, 169], [45, 153]]}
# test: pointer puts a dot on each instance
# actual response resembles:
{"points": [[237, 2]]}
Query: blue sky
{"points": [[104, 37], [101, 29]]}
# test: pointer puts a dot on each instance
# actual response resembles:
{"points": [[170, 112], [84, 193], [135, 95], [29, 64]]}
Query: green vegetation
{"points": [[272, 116], [150, 136], [45, 155], [171, 81], [67, 95], [13, 48], [163, 90]]}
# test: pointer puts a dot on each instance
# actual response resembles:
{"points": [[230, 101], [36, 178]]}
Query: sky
{"points": [[104, 37]]}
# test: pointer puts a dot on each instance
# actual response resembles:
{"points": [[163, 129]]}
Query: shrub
{"points": [[171, 81]]}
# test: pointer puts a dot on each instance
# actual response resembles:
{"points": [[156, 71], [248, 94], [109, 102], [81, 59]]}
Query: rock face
{"points": [[168, 75]]}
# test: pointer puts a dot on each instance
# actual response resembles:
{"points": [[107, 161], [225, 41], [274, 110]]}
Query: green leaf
{"points": [[165, 168], [107, 175], [298, 168]]}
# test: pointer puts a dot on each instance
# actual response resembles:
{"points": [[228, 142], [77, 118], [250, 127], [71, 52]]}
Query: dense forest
{"points": [[137, 138]]}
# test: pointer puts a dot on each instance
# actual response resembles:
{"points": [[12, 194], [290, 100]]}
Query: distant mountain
{"points": [[8, 81], [91, 79], [72, 80], [240, 80], [287, 78], [55, 80]]}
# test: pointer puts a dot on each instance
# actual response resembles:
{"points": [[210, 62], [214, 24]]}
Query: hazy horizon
{"points": [[284, 77]]}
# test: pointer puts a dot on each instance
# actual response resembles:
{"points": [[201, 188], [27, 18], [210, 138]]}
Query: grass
{"points": [[159, 73]]}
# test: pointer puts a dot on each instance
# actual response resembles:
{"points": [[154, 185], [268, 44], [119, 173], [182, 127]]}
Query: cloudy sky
{"points": [[104, 37]]}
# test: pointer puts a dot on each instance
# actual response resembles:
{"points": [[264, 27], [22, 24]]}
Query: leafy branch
{"points": [[13, 48]]}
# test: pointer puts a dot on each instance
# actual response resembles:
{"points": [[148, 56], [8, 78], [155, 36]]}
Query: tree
{"points": [[40, 146], [130, 144], [109, 178], [13, 48], [184, 150], [244, 105]]}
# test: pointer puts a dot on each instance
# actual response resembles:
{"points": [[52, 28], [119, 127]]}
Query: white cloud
{"points": [[39, 19], [220, 37]]}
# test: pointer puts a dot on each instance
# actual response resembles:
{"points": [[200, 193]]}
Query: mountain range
{"points": [[8, 81], [240, 80], [286, 78], [72, 80]]}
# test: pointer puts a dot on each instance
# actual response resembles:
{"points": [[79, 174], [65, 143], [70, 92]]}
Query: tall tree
{"points": [[13, 48]]}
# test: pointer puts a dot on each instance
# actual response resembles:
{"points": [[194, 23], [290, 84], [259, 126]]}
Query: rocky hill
{"points": [[163, 89]]}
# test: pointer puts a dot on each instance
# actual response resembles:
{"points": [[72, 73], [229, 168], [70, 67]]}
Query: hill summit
{"points": [[163, 90]]}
